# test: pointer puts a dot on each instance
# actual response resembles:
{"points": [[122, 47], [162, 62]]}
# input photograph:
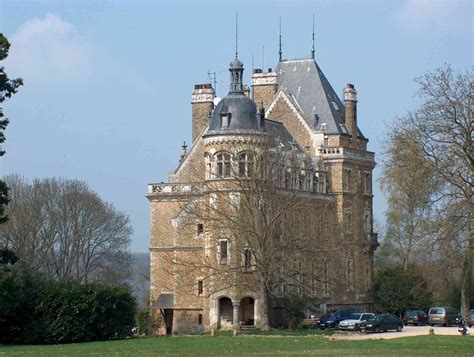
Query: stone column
{"points": [[235, 318]]}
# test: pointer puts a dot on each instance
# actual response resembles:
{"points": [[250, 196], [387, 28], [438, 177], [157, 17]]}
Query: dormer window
{"points": [[225, 120]]}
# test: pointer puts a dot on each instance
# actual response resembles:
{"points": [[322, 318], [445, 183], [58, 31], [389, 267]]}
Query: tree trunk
{"points": [[466, 279], [264, 321]]}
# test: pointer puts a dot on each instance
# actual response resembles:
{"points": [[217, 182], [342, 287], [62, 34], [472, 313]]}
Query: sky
{"points": [[108, 84]]}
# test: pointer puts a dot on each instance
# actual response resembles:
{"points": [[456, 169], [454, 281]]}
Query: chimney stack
{"points": [[264, 86], [202, 105], [350, 104]]}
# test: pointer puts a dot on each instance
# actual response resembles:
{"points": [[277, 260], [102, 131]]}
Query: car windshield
{"points": [[356, 316], [437, 311], [411, 313]]}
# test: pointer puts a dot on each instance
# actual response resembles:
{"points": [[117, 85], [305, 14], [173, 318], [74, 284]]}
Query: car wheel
{"points": [[399, 328], [377, 330]]}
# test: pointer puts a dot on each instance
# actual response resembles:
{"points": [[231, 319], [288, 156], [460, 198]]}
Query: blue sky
{"points": [[108, 83]]}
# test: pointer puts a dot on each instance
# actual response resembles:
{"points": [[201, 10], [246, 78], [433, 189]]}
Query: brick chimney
{"points": [[202, 105], [264, 86], [350, 104]]}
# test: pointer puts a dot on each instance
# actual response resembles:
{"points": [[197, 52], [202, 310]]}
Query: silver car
{"points": [[354, 322]]}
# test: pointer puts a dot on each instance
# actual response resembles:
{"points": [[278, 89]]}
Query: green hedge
{"points": [[37, 310]]}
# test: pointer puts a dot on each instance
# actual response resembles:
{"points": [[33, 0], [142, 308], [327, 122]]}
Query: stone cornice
{"points": [[264, 79], [255, 139]]}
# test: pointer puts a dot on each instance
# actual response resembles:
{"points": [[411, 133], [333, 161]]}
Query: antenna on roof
{"points": [[263, 57], [236, 32], [213, 78], [312, 50], [280, 52]]}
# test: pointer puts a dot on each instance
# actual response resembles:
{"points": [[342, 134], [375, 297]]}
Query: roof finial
{"points": [[312, 50], [236, 32], [280, 52]]}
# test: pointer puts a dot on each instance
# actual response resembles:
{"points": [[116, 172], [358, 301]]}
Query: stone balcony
{"points": [[346, 153], [170, 189]]}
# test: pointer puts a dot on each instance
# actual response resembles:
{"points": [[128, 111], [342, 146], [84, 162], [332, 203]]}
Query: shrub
{"points": [[38, 310]]}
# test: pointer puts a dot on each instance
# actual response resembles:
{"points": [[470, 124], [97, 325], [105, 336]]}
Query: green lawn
{"points": [[225, 345]]}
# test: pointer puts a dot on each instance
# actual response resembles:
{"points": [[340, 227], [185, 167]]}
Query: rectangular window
{"points": [[367, 183], [350, 272], [200, 287], [347, 180], [223, 251], [367, 221], [200, 228], [348, 219], [247, 258], [200, 319]]}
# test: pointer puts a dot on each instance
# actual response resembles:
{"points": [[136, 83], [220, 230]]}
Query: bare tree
{"points": [[62, 228], [443, 126], [269, 212]]}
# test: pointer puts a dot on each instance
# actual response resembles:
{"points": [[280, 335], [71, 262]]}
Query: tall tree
{"points": [[62, 228], [8, 87], [411, 185], [259, 227], [443, 126]]}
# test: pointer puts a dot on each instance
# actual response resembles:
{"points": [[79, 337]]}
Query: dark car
{"points": [[444, 316], [470, 318], [415, 317], [332, 320], [383, 323]]}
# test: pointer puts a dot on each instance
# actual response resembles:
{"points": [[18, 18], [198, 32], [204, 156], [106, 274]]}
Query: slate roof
{"points": [[164, 301], [243, 114], [280, 135], [310, 91]]}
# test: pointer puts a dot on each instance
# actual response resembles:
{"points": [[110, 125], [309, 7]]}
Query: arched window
{"points": [[223, 164], [246, 162]]}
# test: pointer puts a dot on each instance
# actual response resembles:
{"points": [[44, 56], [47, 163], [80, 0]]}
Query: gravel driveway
{"points": [[407, 331]]}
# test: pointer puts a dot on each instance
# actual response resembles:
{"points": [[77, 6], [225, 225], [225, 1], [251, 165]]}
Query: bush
{"points": [[294, 306], [397, 290], [147, 323], [38, 310]]}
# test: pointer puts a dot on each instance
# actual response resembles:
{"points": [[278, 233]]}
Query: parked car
{"points": [[470, 318], [354, 322], [332, 320], [383, 323], [415, 317], [444, 316]]}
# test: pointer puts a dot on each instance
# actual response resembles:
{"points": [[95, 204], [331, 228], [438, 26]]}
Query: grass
{"points": [[225, 345]]}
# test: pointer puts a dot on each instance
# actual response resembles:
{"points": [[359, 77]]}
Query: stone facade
{"points": [[334, 181]]}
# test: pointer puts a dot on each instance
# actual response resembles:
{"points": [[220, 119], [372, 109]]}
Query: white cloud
{"points": [[435, 15], [48, 50]]}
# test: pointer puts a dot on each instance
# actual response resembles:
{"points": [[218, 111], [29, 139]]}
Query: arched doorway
{"points": [[247, 311], [225, 312]]}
